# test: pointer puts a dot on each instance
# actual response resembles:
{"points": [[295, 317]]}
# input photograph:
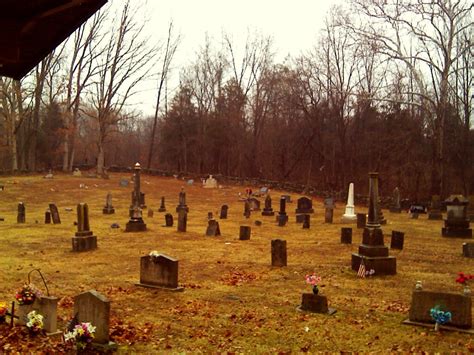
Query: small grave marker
{"points": [[21, 217], [182, 220], [244, 232], [168, 220], [305, 205], [468, 250], [213, 229], [397, 240], [224, 210], [346, 235], [108, 208], [279, 255], [150, 213], [162, 205], [54, 213], [361, 220], [306, 222], [159, 271]]}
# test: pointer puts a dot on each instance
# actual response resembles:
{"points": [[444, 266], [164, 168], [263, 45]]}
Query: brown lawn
{"points": [[234, 301]]}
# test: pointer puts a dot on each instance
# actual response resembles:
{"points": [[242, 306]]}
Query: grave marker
{"points": [[224, 210], [136, 223], [282, 217], [182, 220], [150, 213], [168, 220], [84, 239], [93, 307], [305, 205], [457, 222], [162, 205], [54, 213], [361, 220], [396, 208], [182, 202], [397, 240], [254, 204], [244, 233], [306, 222], [468, 250], [159, 271], [279, 255], [246, 209], [21, 217], [47, 217], [346, 235], [108, 208], [268, 210], [213, 229], [349, 215]]}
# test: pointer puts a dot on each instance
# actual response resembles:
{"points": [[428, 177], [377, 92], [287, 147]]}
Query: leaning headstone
{"points": [[244, 232], [435, 208], [468, 250], [306, 222], [279, 256], [396, 208], [210, 183], [213, 229], [108, 208], [159, 271], [397, 240], [224, 210], [182, 220], [182, 202], [162, 205], [47, 217], [150, 213], [305, 205], [349, 215], [459, 305], [346, 235], [93, 307], [54, 213], [21, 217], [268, 210], [84, 239], [136, 223], [168, 220], [372, 252], [361, 218]]}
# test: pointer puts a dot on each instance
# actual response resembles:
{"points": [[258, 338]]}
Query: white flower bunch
{"points": [[35, 321], [82, 334]]}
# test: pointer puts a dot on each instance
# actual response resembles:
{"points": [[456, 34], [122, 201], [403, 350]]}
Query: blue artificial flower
{"points": [[440, 316]]}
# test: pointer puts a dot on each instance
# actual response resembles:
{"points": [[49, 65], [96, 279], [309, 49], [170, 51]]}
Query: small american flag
{"points": [[361, 272]]}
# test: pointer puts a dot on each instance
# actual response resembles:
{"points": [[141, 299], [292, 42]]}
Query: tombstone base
{"points": [[105, 348], [315, 304], [441, 326], [435, 216], [267, 213], [395, 210], [348, 218], [382, 265], [176, 289], [84, 243], [456, 232], [135, 225], [304, 210], [107, 210]]}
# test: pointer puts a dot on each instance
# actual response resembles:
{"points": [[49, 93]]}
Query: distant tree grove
{"points": [[387, 87]]}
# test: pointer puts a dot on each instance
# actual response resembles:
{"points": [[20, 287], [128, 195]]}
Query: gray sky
{"points": [[292, 24]]}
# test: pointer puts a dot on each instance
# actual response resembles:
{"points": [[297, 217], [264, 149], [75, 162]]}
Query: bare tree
{"points": [[172, 43]]}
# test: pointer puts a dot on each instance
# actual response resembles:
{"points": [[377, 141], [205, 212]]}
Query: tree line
{"points": [[388, 86]]}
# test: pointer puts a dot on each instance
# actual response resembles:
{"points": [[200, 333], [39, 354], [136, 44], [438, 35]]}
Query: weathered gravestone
{"points": [[159, 271], [136, 223], [396, 208], [213, 229], [168, 220], [361, 220], [300, 218], [457, 222], [54, 213], [210, 183], [21, 216], [268, 210], [315, 304], [246, 209], [108, 208], [349, 215], [47, 217], [76, 172], [468, 250], [397, 240], [224, 210], [372, 252], [142, 200], [210, 215], [94, 308], [162, 205], [254, 204], [84, 239], [150, 213], [182, 220], [47, 306], [279, 256], [346, 235], [328, 215], [182, 202], [306, 222], [458, 304], [244, 232], [435, 208], [305, 205], [282, 217]]}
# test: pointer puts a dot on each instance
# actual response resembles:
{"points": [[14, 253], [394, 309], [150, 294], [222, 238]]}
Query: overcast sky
{"points": [[292, 24]]}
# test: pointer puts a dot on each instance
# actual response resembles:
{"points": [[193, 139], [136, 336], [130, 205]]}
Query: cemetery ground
{"points": [[233, 300]]}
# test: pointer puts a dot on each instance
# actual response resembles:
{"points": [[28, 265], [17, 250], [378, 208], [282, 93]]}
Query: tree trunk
{"points": [[100, 159]]}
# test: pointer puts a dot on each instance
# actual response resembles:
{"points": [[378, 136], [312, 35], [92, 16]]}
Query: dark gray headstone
{"points": [[361, 220], [247, 209], [346, 235], [54, 213], [21, 217], [168, 220], [244, 232], [397, 240], [182, 220], [47, 217], [306, 222], [279, 256], [305, 205], [162, 205], [213, 229], [468, 250], [224, 210]]}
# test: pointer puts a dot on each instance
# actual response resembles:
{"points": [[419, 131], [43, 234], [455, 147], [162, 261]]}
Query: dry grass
{"points": [[255, 315]]}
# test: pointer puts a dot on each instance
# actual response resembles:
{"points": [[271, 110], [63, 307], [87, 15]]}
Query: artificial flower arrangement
{"points": [[314, 281], [3, 311], [439, 316], [27, 294], [463, 279], [35, 322], [81, 335]]}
